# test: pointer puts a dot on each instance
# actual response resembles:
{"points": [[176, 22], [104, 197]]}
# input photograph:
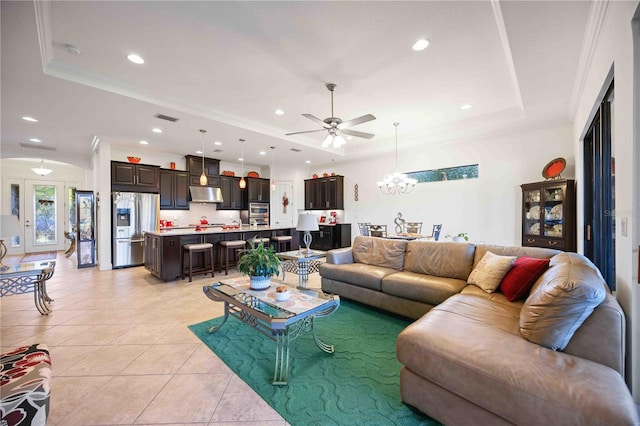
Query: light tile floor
{"points": [[122, 353]]}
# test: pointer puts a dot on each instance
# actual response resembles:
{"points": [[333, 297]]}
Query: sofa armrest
{"points": [[340, 256]]}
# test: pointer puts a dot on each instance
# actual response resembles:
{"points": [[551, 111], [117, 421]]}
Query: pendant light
{"points": [[203, 177], [273, 164], [42, 171], [396, 182], [243, 183]]}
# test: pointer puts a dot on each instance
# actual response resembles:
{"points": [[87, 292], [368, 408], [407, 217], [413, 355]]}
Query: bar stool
{"points": [[205, 248], [254, 242], [280, 242], [225, 246]]}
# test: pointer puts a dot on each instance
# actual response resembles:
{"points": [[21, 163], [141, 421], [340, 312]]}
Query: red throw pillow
{"points": [[521, 277]]}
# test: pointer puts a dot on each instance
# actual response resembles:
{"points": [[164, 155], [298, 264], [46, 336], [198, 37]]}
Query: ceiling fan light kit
{"points": [[335, 127]]}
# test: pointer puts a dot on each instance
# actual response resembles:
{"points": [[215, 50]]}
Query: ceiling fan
{"points": [[336, 127]]}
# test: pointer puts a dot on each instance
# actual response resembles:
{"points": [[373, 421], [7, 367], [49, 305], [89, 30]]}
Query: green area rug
{"points": [[357, 385]]}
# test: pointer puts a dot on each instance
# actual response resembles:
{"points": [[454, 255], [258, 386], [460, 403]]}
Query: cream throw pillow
{"points": [[490, 270]]}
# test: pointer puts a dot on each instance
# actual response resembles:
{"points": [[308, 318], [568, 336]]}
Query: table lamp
{"points": [[9, 227], [307, 222]]}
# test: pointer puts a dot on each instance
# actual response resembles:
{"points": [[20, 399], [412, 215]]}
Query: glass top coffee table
{"points": [[282, 322], [26, 277]]}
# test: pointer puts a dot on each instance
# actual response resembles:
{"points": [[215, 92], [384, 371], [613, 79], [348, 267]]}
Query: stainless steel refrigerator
{"points": [[133, 214]]}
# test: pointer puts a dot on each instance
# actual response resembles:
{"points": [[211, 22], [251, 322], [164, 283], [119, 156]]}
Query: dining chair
{"points": [[364, 228], [378, 231], [414, 227], [436, 232]]}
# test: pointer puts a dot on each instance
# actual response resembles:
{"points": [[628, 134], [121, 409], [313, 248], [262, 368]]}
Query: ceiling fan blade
{"points": [[306, 131], [356, 121], [317, 120], [357, 134]]}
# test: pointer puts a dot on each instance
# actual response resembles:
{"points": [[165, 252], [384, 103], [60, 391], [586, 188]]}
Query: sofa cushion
{"points": [[420, 287], [451, 260], [537, 252], [357, 274], [496, 296], [381, 252], [490, 270], [561, 300], [521, 277]]}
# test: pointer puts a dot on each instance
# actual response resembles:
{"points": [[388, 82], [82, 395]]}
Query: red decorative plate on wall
{"points": [[553, 169]]}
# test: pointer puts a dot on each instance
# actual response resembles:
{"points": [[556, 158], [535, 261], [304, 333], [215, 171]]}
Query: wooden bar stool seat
{"points": [[225, 247], [281, 241], [188, 250]]}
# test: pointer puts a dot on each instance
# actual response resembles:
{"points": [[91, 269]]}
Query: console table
{"points": [[302, 263], [26, 277]]}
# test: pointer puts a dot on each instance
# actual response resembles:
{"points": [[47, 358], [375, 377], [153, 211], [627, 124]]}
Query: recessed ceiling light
{"points": [[240, 159], [136, 59], [144, 143], [279, 112], [156, 130], [218, 143], [27, 118], [263, 153], [466, 106], [420, 44], [35, 140], [308, 162], [198, 152]]}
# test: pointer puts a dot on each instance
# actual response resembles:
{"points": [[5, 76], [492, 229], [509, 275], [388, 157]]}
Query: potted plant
{"points": [[259, 263]]}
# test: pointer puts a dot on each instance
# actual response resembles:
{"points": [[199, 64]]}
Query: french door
{"points": [[45, 215], [599, 191]]}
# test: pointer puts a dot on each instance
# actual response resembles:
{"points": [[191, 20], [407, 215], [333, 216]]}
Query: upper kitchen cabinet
{"points": [[258, 190], [324, 193], [231, 194], [211, 170], [174, 190], [134, 177]]}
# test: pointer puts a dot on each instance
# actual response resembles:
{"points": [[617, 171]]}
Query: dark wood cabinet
{"points": [[331, 237], [135, 177], [174, 190], [324, 193], [211, 170], [231, 194], [549, 214], [162, 256], [258, 190]]}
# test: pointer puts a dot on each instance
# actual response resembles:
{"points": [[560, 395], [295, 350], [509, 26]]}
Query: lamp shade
{"points": [[10, 226], [307, 222]]}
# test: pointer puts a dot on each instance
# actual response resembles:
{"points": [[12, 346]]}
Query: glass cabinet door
{"points": [[532, 212], [553, 211]]}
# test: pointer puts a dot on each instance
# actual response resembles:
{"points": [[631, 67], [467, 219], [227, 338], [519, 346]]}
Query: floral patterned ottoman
{"points": [[24, 386]]}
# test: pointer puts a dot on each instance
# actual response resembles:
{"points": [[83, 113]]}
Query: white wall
{"points": [[614, 48], [487, 209]]}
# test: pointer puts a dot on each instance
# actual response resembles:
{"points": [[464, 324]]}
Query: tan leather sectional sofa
{"points": [[472, 357]]}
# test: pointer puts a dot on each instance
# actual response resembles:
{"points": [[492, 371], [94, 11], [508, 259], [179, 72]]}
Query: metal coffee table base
{"points": [[281, 333]]}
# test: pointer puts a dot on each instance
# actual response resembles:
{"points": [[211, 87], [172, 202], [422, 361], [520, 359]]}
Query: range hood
{"points": [[205, 194]]}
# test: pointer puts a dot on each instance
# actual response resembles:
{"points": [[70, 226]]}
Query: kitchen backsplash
{"points": [[195, 213]]}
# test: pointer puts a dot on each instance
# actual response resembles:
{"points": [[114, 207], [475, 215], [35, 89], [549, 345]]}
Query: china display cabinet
{"points": [[549, 214]]}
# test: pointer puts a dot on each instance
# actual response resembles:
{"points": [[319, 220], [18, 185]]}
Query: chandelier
{"points": [[42, 170], [396, 182]]}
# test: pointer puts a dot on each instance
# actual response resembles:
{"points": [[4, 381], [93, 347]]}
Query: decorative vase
{"points": [[259, 283]]}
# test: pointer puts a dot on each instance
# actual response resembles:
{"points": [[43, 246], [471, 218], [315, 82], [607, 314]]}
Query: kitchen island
{"points": [[163, 248]]}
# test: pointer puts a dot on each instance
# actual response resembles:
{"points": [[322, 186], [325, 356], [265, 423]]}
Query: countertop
{"points": [[191, 230]]}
